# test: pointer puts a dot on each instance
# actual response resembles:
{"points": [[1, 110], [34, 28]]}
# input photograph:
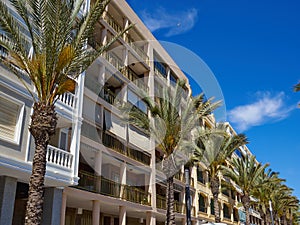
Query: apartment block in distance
{"points": [[101, 171]]}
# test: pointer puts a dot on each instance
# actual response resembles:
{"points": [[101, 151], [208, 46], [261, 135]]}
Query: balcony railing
{"points": [[101, 185], [68, 99], [109, 96], [138, 156], [113, 143], [59, 157], [161, 203], [138, 49], [179, 176], [136, 195], [112, 22], [102, 91], [132, 76], [114, 60]]}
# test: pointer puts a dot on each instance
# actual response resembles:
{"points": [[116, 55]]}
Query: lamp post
{"points": [[271, 211], [187, 196]]}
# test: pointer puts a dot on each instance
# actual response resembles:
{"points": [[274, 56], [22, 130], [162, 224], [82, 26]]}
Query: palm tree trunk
{"points": [[246, 204], [42, 127], [284, 218], [215, 185], [170, 201]]}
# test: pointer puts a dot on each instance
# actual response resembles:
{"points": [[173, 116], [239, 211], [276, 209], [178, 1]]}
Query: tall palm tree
{"points": [[172, 121], [282, 200], [214, 148], [51, 49], [269, 179], [245, 172]]}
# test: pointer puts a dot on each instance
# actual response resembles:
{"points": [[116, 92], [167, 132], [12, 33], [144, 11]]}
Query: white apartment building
{"points": [[101, 171]]}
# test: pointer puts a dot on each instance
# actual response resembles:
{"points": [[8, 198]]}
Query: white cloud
{"points": [[265, 109], [175, 23]]}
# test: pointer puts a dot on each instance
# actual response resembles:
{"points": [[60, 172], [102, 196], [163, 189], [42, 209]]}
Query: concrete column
{"points": [[101, 75], [98, 166], [222, 211], [122, 178], [76, 127], [8, 187], [208, 206], [63, 209], [168, 75], [52, 206], [150, 218], [104, 36], [125, 25], [96, 212], [122, 215]]}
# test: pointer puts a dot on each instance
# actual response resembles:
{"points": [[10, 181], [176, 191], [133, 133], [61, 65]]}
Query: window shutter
{"points": [[9, 113]]}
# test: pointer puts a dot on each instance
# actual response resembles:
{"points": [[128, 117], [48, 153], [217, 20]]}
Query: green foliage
{"points": [[50, 43]]}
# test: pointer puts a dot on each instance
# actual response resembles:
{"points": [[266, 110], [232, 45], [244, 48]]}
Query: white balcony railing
{"points": [[59, 157], [67, 99]]}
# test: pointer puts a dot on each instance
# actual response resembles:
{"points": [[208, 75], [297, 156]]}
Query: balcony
{"points": [[161, 203], [179, 176], [114, 60], [113, 143], [68, 99], [136, 195], [98, 184], [58, 157], [138, 49], [138, 156], [101, 185], [132, 76], [112, 22]]}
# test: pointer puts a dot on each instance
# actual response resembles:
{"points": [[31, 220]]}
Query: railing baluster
{"points": [[59, 157]]}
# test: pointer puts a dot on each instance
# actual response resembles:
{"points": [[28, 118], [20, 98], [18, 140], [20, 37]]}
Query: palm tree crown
{"points": [[245, 172], [215, 146], [172, 122], [50, 47]]}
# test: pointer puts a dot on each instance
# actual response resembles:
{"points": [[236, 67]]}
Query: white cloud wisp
{"points": [[266, 109], [175, 23]]}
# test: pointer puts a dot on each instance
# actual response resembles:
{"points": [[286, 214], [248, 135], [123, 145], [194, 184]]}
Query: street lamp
{"points": [[187, 195], [271, 212]]}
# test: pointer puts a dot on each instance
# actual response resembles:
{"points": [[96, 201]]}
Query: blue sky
{"points": [[253, 49]]}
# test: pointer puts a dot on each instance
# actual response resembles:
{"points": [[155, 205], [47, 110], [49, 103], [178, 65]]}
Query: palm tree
{"points": [[245, 172], [171, 124], [269, 179], [51, 49], [213, 149]]}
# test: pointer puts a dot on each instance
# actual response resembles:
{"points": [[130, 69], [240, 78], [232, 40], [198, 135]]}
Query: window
{"points": [[202, 207], [200, 177], [63, 139], [173, 79], [159, 67], [136, 101], [212, 207], [11, 114], [226, 211]]}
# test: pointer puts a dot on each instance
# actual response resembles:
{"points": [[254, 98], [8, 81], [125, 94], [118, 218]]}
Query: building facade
{"points": [[101, 171]]}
